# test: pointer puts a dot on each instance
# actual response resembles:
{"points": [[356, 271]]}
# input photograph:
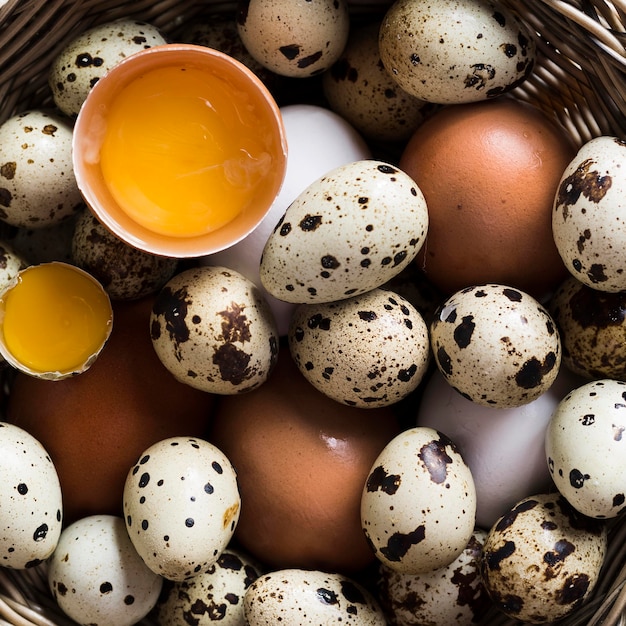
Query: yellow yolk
{"points": [[184, 151], [55, 318]]}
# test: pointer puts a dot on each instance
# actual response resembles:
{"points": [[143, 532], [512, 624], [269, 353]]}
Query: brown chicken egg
{"points": [[301, 460], [489, 172], [95, 425]]}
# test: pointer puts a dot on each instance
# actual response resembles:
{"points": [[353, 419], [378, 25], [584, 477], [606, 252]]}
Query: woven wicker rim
{"points": [[579, 79]]}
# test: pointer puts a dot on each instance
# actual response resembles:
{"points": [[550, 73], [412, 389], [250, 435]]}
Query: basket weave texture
{"points": [[580, 79]]}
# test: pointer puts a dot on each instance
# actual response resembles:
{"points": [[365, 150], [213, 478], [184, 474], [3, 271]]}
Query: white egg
{"points": [[503, 447], [418, 504], [31, 514], [181, 506], [97, 577], [319, 140]]}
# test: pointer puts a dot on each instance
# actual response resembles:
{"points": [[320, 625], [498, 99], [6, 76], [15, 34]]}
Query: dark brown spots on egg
{"points": [[406, 374], [172, 306], [436, 460], [464, 331], [290, 52], [400, 543], [106, 587], [235, 325], [61, 589], [380, 480], [309, 60], [5, 199], [367, 316], [399, 258], [582, 239], [7, 170], [512, 294], [444, 361], [618, 499], [49, 129], [414, 59], [532, 371], [509, 518], [493, 558], [577, 478], [582, 182], [481, 74], [561, 550], [499, 18], [310, 222], [342, 70], [386, 169], [233, 363], [573, 590], [318, 321], [41, 532], [509, 49], [326, 596], [596, 273], [329, 262]]}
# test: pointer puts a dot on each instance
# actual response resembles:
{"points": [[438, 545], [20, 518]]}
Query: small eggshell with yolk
{"points": [[301, 461]]}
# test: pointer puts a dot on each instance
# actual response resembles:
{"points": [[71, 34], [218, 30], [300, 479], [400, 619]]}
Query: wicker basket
{"points": [[580, 79]]}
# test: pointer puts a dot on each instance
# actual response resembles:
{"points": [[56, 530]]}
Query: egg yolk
{"points": [[185, 151], [55, 318]]}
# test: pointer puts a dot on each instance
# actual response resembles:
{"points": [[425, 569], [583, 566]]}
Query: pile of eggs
{"points": [[399, 400]]}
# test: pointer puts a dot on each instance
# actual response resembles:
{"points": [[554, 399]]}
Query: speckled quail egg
{"points": [[451, 595], [455, 52], [592, 326], [418, 504], [37, 183], [215, 596], [181, 505], [585, 448], [297, 39], [348, 232], [359, 88], [367, 351], [496, 345], [30, 492], [296, 597], [212, 329], [97, 577], [125, 272], [86, 58], [588, 217], [542, 559]]}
